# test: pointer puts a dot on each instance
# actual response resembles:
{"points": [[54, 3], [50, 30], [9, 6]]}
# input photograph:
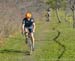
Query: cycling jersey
{"points": [[28, 24]]}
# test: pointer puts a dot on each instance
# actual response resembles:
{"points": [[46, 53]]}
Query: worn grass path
{"points": [[46, 49]]}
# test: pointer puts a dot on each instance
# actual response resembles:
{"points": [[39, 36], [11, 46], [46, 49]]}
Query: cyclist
{"points": [[28, 25]]}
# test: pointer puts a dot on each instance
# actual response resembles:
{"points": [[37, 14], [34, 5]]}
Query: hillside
{"points": [[13, 11], [54, 41]]}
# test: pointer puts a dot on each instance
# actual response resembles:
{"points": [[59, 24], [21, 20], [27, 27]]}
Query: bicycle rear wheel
{"points": [[30, 45]]}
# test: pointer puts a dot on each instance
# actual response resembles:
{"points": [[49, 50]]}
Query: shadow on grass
{"points": [[14, 51], [62, 46]]}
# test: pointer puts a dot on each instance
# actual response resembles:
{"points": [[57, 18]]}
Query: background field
{"points": [[53, 41]]}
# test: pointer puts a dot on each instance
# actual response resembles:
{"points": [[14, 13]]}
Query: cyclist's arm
{"points": [[33, 27], [23, 24], [23, 27]]}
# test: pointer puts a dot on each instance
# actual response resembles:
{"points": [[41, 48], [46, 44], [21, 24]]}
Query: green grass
{"points": [[46, 49]]}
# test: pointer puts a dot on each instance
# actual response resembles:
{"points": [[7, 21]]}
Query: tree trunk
{"points": [[56, 9], [73, 8], [59, 21], [73, 18], [65, 16]]}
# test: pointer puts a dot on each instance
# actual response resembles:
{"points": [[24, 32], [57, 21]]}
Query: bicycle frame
{"points": [[29, 42]]}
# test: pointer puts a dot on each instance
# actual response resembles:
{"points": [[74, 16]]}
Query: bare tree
{"points": [[56, 9], [73, 14], [73, 9]]}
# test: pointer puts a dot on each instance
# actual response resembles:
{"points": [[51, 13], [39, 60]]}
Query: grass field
{"points": [[46, 47]]}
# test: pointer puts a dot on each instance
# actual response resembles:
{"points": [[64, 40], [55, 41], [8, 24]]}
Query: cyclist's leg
{"points": [[32, 37], [26, 30], [26, 34]]}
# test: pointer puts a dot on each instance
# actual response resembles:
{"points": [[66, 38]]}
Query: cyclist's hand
{"points": [[33, 30]]}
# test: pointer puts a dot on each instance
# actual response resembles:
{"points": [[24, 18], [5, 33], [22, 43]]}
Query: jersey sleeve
{"points": [[32, 20]]}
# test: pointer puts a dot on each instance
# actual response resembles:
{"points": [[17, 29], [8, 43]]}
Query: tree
{"points": [[55, 4], [58, 4], [73, 9]]}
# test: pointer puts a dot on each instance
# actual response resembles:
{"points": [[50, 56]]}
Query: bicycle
{"points": [[29, 42]]}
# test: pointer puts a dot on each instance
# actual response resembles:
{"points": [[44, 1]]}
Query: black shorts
{"points": [[30, 29]]}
